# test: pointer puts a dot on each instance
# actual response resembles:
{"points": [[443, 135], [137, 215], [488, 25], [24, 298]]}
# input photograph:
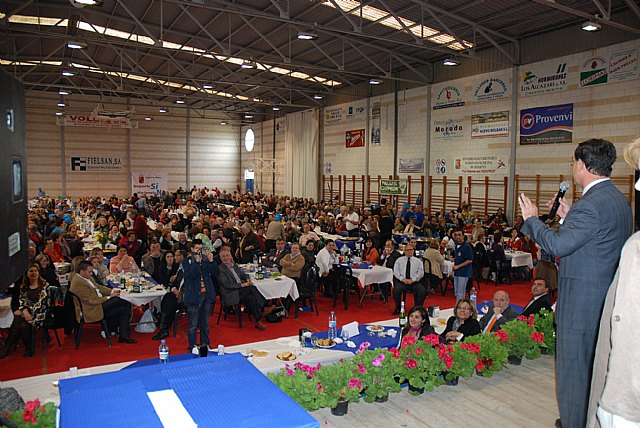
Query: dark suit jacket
{"points": [[272, 253], [471, 327], [389, 261], [509, 314], [192, 274], [543, 302], [229, 286]]}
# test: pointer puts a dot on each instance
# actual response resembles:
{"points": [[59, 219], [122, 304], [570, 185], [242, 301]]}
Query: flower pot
{"points": [[382, 399], [516, 361], [544, 351], [452, 382], [341, 409], [415, 391]]}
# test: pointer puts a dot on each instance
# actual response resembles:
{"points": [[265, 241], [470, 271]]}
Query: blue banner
{"points": [[547, 125]]}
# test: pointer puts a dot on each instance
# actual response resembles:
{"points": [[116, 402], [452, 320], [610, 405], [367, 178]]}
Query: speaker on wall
{"points": [[14, 248]]}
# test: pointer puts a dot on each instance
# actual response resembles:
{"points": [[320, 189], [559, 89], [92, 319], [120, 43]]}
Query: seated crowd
{"points": [[199, 237]]}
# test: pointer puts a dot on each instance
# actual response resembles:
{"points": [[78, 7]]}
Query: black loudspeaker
{"points": [[14, 248]]}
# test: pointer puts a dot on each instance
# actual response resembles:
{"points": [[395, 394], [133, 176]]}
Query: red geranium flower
{"points": [[537, 337], [412, 364]]}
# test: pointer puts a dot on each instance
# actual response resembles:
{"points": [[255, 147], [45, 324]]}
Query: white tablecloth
{"points": [[6, 316], [139, 299], [326, 235], [520, 258], [447, 268], [272, 288], [376, 275]]}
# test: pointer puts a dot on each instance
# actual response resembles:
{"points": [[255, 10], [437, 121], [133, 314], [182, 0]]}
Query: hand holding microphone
{"points": [[559, 205]]}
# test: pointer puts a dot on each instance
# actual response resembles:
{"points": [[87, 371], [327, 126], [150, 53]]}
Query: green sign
{"points": [[393, 187]]}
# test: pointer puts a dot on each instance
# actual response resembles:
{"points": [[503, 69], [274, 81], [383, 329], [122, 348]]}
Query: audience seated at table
{"points": [[249, 246], [418, 325], [293, 262], [173, 281], [47, 269], [463, 323], [100, 302], [131, 244], [370, 253], [122, 262], [540, 300], [499, 312], [309, 254], [307, 235], [432, 254], [408, 271], [28, 312], [182, 243], [276, 254], [516, 243], [152, 261], [53, 251]]}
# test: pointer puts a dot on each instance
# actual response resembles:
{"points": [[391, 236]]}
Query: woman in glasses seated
{"points": [[463, 323]]}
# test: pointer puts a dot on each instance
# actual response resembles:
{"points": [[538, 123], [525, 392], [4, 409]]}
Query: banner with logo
{"points": [[447, 97], [411, 165], [95, 163], [547, 125], [441, 166], [543, 80], [95, 122], [494, 124], [618, 67], [148, 183], [332, 115], [480, 165], [491, 89], [448, 129], [354, 138], [354, 112], [375, 123], [393, 187]]}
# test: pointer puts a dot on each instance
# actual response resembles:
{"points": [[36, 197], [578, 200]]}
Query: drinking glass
{"points": [[314, 341], [345, 335]]}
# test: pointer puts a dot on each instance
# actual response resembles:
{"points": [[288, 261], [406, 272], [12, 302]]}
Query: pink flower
{"points": [[537, 337], [433, 339], [410, 363], [378, 360], [418, 351], [355, 383], [361, 368], [363, 346], [319, 387], [290, 372]]}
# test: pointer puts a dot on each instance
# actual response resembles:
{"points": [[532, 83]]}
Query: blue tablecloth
{"points": [[350, 244], [364, 336], [481, 305], [224, 391]]}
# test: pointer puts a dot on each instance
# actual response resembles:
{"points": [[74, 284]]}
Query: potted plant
{"points": [[419, 365], [522, 341], [377, 369], [460, 359], [34, 415], [492, 356], [545, 323], [340, 384], [300, 383]]}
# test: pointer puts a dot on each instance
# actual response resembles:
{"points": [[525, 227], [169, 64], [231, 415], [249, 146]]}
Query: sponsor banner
{"points": [[448, 129], [441, 166], [447, 97], [594, 71], [355, 112], [149, 182], [95, 163], [547, 125], [623, 65], [328, 168], [332, 115], [543, 80], [375, 124], [480, 165], [393, 187], [94, 122], [354, 138], [411, 165], [494, 124], [491, 89]]}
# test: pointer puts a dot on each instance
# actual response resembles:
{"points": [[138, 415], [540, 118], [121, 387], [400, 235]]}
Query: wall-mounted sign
{"points": [[411, 165], [494, 124], [449, 96], [332, 115], [547, 125], [95, 122], [441, 166], [543, 80], [354, 138], [355, 111], [480, 165], [149, 182], [375, 124], [393, 187], [490, 89], [618, 67], [448, 129], [95, 163]]}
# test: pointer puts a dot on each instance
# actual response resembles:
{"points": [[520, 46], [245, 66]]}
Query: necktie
{"points": [[491, 323], [179, 276], [277, 253], [407, 274]]}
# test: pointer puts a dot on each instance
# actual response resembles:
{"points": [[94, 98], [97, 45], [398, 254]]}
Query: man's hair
{"points": [[83, 265], [179, 252], [598, 156], [543, 280], [328, 241]]}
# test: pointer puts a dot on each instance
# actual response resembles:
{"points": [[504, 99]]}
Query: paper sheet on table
{"points": [[170, 410], [352, 328]]}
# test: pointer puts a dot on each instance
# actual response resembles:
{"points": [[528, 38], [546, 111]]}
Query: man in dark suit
{"points": [[588, 241], [540, 300], [199, 293], [499, 313], [276, 254]]}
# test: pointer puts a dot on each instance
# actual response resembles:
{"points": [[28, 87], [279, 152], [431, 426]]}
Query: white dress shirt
{"points": [[400, 268], [325, 260]]}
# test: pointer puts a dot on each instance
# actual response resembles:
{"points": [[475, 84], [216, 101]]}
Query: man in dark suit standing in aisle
{"points": [[540, 300], [588, 241]]}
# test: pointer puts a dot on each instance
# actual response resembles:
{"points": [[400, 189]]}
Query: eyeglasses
{"points": [[572, 162], [464, 308], [408, 249]]}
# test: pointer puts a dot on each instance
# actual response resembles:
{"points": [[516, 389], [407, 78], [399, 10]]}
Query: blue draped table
{"points": [[217, 392], [364, 336]]}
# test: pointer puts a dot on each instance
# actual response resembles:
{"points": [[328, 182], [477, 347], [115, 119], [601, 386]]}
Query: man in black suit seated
{"points": [[499, 313], [276, 254], [540, 300]]}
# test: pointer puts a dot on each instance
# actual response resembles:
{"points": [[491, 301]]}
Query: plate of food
{"points": [[326, 343], [348, 238], [286, 356], [259, 354], [375, 327], [442, 321]]}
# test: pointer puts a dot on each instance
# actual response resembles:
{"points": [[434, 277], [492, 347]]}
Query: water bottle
{"points": [[332, 325], [255, 260], [473, 295], [163, 352]]}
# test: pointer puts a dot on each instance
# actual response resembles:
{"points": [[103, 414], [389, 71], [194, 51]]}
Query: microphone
{"points": [[564, 186]]}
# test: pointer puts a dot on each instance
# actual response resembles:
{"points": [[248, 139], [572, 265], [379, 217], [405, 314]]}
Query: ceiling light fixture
{"points": [[248, 116], [591, 26], [307, 35], [76, 44], [375, 81], [179, 101], [58, 113], [63, 92], [148, 118], [275, 108], [207, 86], [68, 73], [451, 62], [223, 122], [248, 64], [317, 97], [61, 104], [162, 110], [87, 2]]}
